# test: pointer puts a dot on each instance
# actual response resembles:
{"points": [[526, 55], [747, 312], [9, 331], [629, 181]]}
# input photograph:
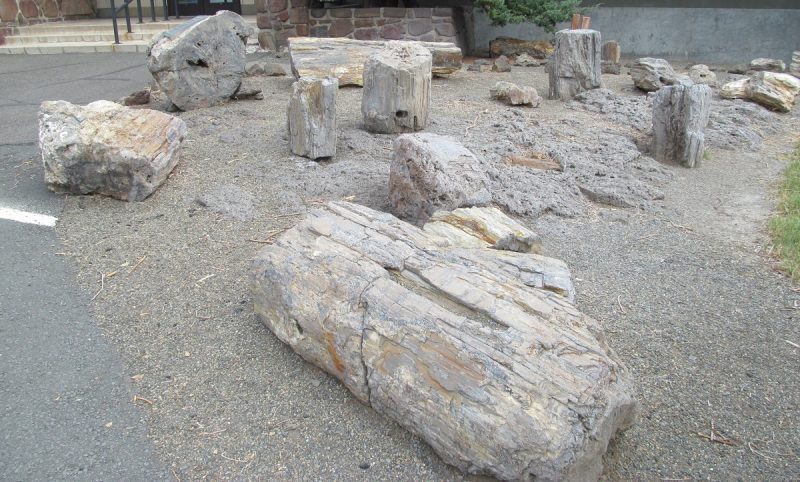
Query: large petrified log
{"points": [[469, 349], [397, 89], [200, 63], [312, 117], [344, 58], [106, 148], [772, 90], [680, 116], [575, 65]]}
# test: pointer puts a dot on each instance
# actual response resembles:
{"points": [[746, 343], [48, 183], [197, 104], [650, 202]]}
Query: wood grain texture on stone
{"points": [[312, 117], [610, 54], [680, 116], [575, 64], [431, 173], [200, 63], [538, 49], [397, 88], [344, 58], [794, 67], [466, 348], [106, 148], [772, 90]]}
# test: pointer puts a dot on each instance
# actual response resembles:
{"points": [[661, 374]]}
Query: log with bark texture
{"points": [[466, 348], [397, 89], [575, 64], [344, 58], [312, 117], [680, 116]]}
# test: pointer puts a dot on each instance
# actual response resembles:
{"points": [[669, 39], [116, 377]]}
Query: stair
{"points": [[90, 36]]}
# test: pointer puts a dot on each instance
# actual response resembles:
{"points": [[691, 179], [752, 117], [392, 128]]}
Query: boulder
{"points": [[344, 58], [514, 94], [794, 67], [538, 49], [651, 74], [471, 349], [431, 173], [525, 60], [769, 65], [397, 89], [773, 90], [701, 74], [735, 90], [312, 117], [501, 64], [200, 63], [680, 116], [483, 227], [106, 148], [575, 64]]}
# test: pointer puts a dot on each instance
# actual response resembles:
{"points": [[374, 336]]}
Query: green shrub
{"points": [[544, 13]]}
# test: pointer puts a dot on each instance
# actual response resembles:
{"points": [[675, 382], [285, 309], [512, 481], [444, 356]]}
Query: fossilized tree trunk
{"points": [[397, 89], [477, 351], [680, 116], [575, 64], [312, 117]]}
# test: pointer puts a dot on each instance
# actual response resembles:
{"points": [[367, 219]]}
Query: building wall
{"points": [[104, 8], [26, 12], [711, 35]]}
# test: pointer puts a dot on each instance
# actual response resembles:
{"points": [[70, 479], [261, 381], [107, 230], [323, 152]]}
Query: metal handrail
{"points": [[115, 11]]}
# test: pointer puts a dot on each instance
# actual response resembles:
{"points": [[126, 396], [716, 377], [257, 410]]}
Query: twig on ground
{"points": [[619, 302], [208, 434], [174, 474], [137, 398], [137, 264], [792, 343], [475, 121], [102, 286], [205, 278], [249, 458], [288, 215], [715, 436], [270, 237]]}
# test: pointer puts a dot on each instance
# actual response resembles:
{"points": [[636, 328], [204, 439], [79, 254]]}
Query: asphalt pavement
{"points": [[66, 403]]}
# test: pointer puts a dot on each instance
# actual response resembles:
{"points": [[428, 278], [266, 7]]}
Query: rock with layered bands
{"points": [[431, 173], [106, 148], [483, 227], [768, 65], [772, 90], [538, 49], [794, 67], [680, 116], [575, 64], [312, 117], [472, 350], [200, 63]]}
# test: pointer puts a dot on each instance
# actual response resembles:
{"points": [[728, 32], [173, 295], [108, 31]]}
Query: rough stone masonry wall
{"points": [[281, 19], [15, 13]]}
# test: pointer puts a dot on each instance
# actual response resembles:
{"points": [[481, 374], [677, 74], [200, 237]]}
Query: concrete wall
{"points": [[711, 35]]}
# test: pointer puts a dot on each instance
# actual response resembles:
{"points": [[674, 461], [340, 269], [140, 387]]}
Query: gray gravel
{"points": [[683, 285]]}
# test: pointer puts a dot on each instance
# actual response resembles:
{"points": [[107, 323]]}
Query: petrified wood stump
{"points": [[575, 64], [312, 117], [397, 89], [680, 116], [473, 350]]}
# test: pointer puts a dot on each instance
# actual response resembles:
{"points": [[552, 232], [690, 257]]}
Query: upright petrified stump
{"points": [[479, 351], [680, 115], [397, 89], [610, 55], [312, 117], [575, 64]]}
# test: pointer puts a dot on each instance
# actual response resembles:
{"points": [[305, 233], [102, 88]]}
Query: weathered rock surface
{"points": [[651, 74], [575, 64], [200, 63], [483, 227], [735, 90], [794, 67], [538, 49], [397, 89], [514, 94], [610, 54], [344, 58], [431, 173], [271, 69], [774, 91], [469, 349], [312, 117], [480, 65], [769, 65], [701, 74], [105, 148], [140, 97], [501, 64], [680, 116], [525, 60]]}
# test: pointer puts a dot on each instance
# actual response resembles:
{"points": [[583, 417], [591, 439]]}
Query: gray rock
{"points": [[430, 173], [794, 67], [480, 65], [680, 116], [651, 74], [397, 89], [701, 74], [105, 148], [258, 67], [472, 350], [774, 91], [607, 67], [200, 63], [255, 67], [525, 60], [501, 64], [140, 97], [575, 64], [769, 65], [514, 94], [312, 117]]}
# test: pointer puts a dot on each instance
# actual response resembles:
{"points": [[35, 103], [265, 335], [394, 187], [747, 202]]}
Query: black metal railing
{"points": [[125, 7]]}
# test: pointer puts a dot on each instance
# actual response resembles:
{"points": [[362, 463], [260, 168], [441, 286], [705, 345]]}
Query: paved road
{"points": [[66, 408]]}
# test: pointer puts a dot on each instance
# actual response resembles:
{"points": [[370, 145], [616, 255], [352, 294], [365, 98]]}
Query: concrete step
{"points": [[104, 37], [75, 48]]}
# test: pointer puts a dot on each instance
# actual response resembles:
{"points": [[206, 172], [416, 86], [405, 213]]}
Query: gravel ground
{"points": [[682, 282]]}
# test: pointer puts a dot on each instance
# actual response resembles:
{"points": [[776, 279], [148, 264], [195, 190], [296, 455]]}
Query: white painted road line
{"points": [[26, 217]]}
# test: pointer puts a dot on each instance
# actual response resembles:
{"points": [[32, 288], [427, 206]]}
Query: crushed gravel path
{"points": [[683, 284]]}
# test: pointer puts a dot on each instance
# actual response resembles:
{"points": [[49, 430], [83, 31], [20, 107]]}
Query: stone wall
{"points": [[29, 12], [280, 19]]}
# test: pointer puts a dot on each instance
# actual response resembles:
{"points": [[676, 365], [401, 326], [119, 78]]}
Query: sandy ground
{"points": [[683, 284]]}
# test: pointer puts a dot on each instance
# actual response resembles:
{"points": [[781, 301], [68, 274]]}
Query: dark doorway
{"points": [[190, 8]]}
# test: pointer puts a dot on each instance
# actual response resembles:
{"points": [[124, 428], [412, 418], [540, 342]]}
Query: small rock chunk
{"points": [[501, 64], [701, 74], [514, 94]]}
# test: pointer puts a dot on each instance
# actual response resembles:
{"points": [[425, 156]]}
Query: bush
{"points": [[544, 13]]}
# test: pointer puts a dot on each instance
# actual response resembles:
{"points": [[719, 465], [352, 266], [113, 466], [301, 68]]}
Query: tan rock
{"points": [[515, 94], [701, 74], [538, 49], [483, 227], [735, 90], [773, 90]]}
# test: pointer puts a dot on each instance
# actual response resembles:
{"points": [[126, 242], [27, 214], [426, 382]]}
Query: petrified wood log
{"points": [[680, 116], [344, 58], [312, 117], [575, 65], [469, 349], [397, 89]]}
